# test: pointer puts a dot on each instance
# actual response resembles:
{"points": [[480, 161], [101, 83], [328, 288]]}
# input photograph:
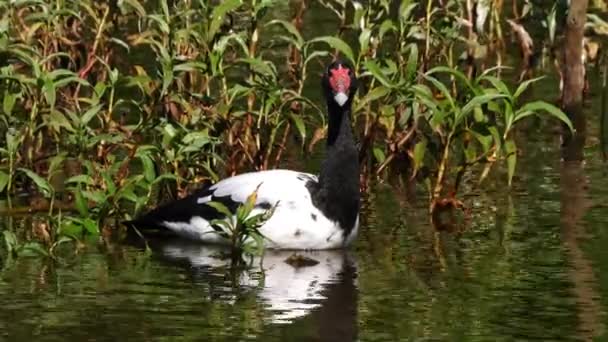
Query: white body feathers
{"points": [[295, 224]]}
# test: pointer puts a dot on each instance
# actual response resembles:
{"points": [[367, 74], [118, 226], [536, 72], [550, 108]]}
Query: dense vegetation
{"points": [[109, 106]]}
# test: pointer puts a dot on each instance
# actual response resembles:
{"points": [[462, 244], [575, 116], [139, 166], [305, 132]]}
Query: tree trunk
{"points": [[574, 79]]}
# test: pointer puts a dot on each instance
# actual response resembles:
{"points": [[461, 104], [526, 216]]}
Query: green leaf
{"points": [[90, 226], [148, 167], [412, 62], [221, 208], [219, 14], [90, 114], [379, 154], [364, 39], [298, 41], [338, 44], [57, 120], [372, 95], [49, 92], [454, 72], [497, 83], [56, 163], [43, 186], [10, 241], [511, 151], [375, 70], [419, 151], [484, 140], [162, 24], [33, 249], [9, 102], [443, 89], [4, 178], [260, 66], [536, 106], [81, 203], [524, 85], [80, 179], [475, 102], [299, 123]]}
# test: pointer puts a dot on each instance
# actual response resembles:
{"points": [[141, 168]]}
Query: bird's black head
{"points": [[339, 84]]}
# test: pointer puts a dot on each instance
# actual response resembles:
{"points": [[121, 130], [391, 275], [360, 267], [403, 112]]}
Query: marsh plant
{"points": [[109, 107]]}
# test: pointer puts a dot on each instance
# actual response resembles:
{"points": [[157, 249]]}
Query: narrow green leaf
{"points": [[8, 102], [524, 85], [375, 70], [338, 44], [219, 14], [90, 114], [511, 151], [372, 95], [419, 152], [475, 102], [300, 126], [90, 226], [221, 208], [43, 186], [412, 62], [298, 41], [379, 155], [443, 89], [148, 167], [537, 106], [81, 203], [49, 92], [4, 177], [80, 179]]}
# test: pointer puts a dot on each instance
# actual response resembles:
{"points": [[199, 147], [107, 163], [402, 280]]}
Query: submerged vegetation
{"points": [[110, 106]]}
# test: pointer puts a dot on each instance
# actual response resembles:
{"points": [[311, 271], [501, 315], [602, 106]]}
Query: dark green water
{"points": [[529, 266]]}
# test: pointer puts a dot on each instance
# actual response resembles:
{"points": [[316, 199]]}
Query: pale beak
{"points": [[340, 98]]}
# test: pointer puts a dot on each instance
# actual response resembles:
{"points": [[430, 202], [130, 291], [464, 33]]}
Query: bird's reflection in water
{"points": [[292, 285]]}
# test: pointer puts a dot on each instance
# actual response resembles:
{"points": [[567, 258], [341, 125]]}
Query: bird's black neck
{"points": [[338, 188]]}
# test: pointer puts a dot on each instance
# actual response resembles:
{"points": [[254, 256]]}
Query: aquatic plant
{"points": [[108, 107]]}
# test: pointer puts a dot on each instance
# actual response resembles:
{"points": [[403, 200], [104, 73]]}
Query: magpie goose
{"points": [[312, 212]]}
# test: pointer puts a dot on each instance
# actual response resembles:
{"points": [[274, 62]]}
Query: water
{"points": [[528, 267]]}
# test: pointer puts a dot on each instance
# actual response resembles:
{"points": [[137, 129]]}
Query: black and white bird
{"points": [[311, 212]]}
